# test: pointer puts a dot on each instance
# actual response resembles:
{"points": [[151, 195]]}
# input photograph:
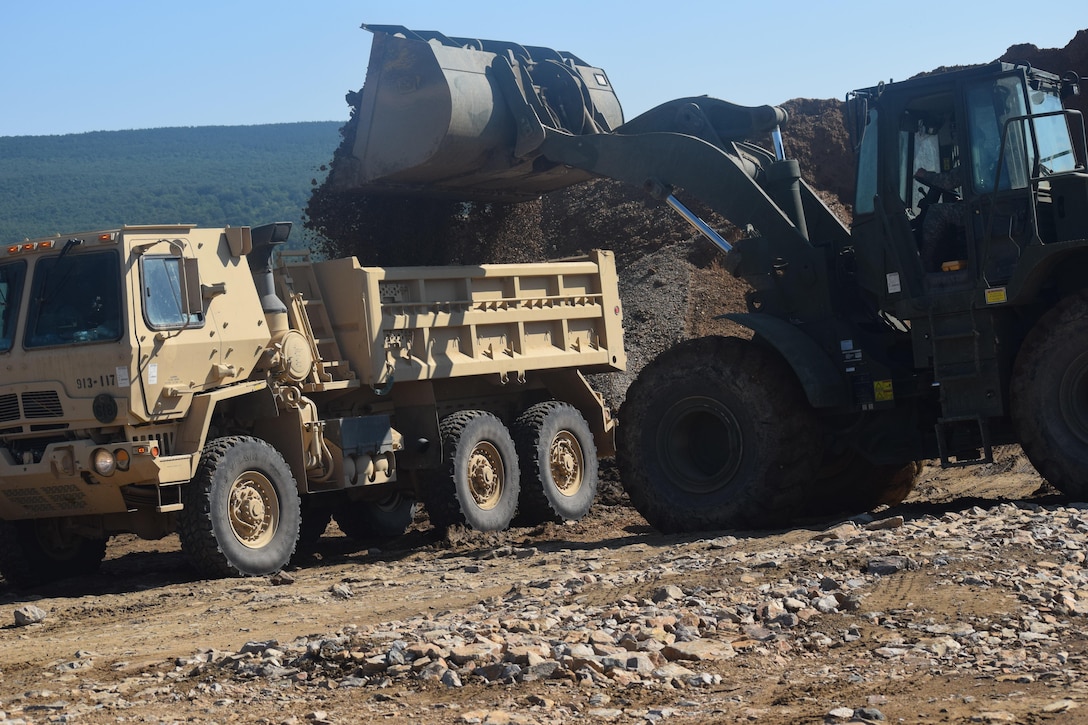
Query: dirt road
{"points": [[954, 607]]}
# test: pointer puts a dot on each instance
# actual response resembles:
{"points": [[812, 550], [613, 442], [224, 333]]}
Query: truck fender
{"points": [[823, 382], [193, 432]]}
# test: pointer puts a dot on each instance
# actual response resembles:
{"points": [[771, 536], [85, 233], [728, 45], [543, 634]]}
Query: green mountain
{"points": [[210, 176]]}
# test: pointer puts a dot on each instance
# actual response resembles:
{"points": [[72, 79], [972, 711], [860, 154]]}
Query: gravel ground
{"points": [[965, 604]]}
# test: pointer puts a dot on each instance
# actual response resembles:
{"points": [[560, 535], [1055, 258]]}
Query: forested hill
{"points": [[210, 176]]}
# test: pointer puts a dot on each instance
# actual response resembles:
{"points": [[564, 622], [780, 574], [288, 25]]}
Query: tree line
{"points": [[209, 176]]}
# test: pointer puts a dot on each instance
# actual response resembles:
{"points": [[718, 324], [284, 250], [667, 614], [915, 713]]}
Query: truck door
{"points": [[178, 349]]}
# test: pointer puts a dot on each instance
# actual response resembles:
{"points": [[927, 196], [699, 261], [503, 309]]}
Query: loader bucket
{"points": [[463, 118]]}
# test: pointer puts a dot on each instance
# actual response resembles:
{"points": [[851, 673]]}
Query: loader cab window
{"points": [[991, 105], [11, 291], [75, 299], [929, 153], [1052, 134], [867, 159], [171, 292], [931, 180]]}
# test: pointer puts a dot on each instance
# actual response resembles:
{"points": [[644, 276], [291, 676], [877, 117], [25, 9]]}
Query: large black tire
{"points": [[1049, 396], [851, 484], [386, 518], [716, 433], [559, 466], [40, 551], [242, 510], [481, 481]]}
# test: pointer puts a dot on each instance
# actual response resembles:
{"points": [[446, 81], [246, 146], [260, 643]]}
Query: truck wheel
{"points": [[1049, 396], [716, 433], [852, 484], [39, 551], [482, 485], [558, 463], [370, 520], [242, 510]]}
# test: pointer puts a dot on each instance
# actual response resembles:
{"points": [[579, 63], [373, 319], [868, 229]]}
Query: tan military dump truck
{"points": [[170, 378]]}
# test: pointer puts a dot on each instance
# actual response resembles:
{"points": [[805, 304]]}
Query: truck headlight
{"points": [[103, 461]]}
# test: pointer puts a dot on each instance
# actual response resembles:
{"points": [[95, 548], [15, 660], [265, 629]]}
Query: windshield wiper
{"points": [[47, 289]]}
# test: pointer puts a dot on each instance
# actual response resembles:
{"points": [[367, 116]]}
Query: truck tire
{"points": [[716, 433], [387, 518], [481, 482], [242, 510], [558, 463], [1049, 396], [39, 551], [851, 484]]}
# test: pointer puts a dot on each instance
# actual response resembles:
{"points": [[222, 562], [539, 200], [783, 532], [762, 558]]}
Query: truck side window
{"points": [[11, 291], [75, 299], [866, 185], [166, 305]]}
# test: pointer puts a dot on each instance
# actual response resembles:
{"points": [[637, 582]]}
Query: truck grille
{"points": [[42, 404], [49, 499], [9, 407], [36, 405]]}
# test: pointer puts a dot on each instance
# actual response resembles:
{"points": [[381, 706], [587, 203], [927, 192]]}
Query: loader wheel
{"points": [[1049, 396], [376, 520], [242, 510], [558, 463], [851, 484], [716, 433], [481, 482], [39, 551]]}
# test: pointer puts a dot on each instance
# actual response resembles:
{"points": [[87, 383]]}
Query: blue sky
{"points": [[72, 67]]}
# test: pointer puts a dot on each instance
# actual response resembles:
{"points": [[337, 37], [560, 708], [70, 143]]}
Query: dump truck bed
{"points": [[398, 324]]}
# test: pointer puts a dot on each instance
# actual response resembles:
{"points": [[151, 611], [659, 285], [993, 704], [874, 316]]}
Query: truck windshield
{"points": [[75, 299], [11, 291]]}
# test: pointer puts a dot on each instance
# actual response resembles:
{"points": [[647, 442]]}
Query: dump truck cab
{"points": [[107, 336]]}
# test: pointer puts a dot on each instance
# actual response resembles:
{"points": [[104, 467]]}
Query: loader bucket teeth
{"points": [[463, 118]]}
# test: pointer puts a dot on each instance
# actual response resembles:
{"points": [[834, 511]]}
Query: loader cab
{"points": [[959, 174]]}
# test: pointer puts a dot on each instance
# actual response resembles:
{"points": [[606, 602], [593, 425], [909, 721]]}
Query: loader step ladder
{"points": [[946, 429], [952, 334], [959, 369], [307, 313]]}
